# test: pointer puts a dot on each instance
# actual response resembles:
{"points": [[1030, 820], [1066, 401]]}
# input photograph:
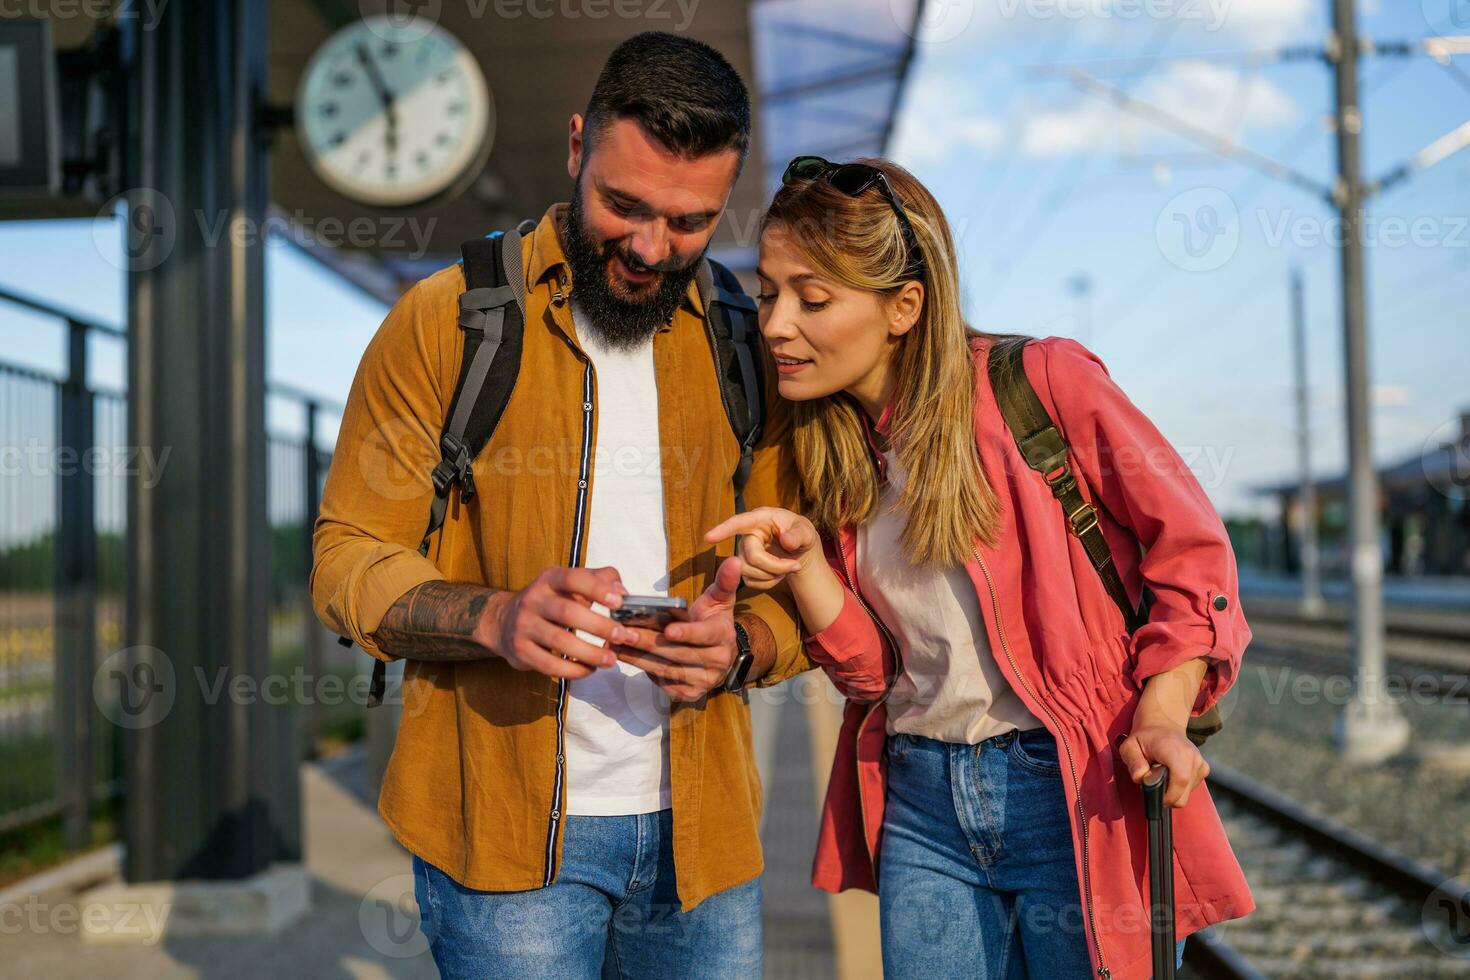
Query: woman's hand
{"points": [[774, 543], [1158, 735], [1164, 744]]}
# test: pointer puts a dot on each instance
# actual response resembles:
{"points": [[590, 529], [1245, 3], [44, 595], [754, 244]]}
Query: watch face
{"points": [[393, 112]]}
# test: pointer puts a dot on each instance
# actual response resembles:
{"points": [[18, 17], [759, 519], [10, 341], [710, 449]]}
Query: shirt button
{"points": [[581, 484], [555, 814], [1221, 602], [586, 406]]}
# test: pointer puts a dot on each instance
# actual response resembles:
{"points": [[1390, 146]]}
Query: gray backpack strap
{"points": [[492, 288], [492, 316], [730, 317]]}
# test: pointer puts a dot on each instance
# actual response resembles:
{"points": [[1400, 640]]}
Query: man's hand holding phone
{"points": [[688, 659], [532, 629]]}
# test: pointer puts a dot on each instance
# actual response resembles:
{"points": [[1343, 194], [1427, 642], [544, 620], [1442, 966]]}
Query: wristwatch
{"points": [[740, 667]]}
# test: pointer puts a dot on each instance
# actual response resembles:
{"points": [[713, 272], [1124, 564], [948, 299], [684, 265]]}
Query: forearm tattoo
{"points": [[435, 621]]}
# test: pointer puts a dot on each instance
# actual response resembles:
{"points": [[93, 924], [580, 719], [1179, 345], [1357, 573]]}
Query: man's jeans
{"points": [[611, 913], [976, 876]]}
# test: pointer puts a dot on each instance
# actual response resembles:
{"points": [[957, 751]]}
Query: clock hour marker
{"points": [[342, 79]]}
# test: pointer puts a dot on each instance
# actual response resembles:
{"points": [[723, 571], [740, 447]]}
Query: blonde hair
{"points": [[946, 501]]}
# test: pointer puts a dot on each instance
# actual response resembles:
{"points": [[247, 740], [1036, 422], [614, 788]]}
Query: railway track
{"points": [[1331, 903], [1402, 621], [1433, 657]]}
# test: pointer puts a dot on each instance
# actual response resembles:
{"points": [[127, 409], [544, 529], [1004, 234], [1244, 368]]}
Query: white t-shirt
{"points": [[617, 755], [952, 688]]}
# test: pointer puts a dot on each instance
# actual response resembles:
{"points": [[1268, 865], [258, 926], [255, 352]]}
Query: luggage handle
{"points": [[1160, 870]]}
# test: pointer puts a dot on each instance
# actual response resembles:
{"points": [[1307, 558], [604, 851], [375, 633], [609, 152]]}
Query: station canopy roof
{"points": [[826, 78]]}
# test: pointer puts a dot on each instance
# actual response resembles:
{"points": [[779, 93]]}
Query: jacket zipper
{"points": [[898, 669], [579, 528], [1102, 969]]}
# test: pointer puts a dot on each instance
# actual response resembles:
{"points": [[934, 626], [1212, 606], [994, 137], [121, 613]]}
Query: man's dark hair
{"points": [[681, 91]]}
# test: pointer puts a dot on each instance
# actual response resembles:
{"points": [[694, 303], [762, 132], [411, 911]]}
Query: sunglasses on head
{"points": [[852, 179]]}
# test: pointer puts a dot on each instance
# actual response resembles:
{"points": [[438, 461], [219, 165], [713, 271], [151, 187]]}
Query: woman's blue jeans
{"points": [[976, 877]]}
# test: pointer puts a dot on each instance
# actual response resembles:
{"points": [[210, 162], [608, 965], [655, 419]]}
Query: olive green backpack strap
{"points": [[1046, 451]]}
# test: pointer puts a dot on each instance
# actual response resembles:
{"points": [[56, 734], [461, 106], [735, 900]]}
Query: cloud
{"points": [[1220, 99], [938, 120]]}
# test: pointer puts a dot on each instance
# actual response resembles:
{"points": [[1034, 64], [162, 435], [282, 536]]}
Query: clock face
{"points": [[393, 112]]}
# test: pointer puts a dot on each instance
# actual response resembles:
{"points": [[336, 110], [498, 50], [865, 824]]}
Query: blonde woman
{"points": [[999, 710]]}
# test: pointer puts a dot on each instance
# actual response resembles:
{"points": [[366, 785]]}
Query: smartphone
{"points": [[652, 612]]}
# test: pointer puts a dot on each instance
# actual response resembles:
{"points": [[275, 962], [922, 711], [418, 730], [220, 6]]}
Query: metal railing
{"points": [[64, 467]]}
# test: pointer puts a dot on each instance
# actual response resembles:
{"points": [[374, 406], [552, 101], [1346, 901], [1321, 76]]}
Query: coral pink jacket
{"points": [[1064, 646]]}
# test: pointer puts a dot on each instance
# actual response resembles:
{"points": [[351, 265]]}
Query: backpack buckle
{"points": [[1063, 483], [454, 464], [1083, 519]]}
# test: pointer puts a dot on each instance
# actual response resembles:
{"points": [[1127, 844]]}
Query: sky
{"points": [[1073, 219], [1046, 184]]}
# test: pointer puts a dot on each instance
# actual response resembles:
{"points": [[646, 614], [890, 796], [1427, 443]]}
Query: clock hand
{"points": [[376, 77]]}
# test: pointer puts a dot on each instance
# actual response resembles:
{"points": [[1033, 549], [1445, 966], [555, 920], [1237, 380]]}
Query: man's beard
{"points": [[625, 315]]}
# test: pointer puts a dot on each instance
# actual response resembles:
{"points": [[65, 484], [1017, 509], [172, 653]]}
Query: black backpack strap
{"points": [[1047, 452], [730, 316], [492, 317]]}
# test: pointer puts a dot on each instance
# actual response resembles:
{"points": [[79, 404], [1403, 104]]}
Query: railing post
{"points": [[76, 594], [312, 471]]}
